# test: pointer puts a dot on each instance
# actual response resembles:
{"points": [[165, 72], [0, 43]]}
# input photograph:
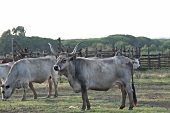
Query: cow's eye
{"points": [[7, 86], [64, 60]]}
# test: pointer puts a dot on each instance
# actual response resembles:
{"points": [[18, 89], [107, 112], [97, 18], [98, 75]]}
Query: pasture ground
{"points": [[152, 88]]}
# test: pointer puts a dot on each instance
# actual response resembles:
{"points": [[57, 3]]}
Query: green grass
{"points": [[152, 87]]}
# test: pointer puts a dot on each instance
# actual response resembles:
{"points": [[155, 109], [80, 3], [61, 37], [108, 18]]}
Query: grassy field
{"points": [[152, 87]]}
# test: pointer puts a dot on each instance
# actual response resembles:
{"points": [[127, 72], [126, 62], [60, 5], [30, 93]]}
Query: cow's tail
{"points": [[134, 92]]}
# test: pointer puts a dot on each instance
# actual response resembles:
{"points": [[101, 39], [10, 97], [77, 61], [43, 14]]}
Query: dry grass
{"points": [[152, 87]]}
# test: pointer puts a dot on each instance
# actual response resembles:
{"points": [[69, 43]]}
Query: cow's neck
{"points": [[12, 79], [71, 69]]}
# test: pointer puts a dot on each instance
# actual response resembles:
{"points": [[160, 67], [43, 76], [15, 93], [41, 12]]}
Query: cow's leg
{"points": [[50, 87], [88, 103], [130, 95], [123, 95], [84, 102], [33, 90], [25, 87], [24, 96], [85, 98], [55, 81]]}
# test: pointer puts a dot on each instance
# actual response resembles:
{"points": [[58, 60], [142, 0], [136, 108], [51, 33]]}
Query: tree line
{"points": [[104, 43]]}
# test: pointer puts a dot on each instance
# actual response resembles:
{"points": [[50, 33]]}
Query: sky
{"points": [[80, 19]]}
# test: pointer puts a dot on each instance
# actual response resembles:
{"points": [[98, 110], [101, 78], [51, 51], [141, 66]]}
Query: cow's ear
{"points": [[7, 86], [72, 57], [1, 85], [133, 61], [3, 81]]}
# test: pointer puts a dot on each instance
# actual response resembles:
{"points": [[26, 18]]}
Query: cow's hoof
{"points": [[3, 99], [55, 96], [35, 97], [88, 108], [48, 96], [130, 108], [23, 99], [82, 110], [121, 107]]}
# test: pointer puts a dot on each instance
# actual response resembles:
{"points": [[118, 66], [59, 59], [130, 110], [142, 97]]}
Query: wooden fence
{"points": [[147, 60], [130, 52], [155, 61]]}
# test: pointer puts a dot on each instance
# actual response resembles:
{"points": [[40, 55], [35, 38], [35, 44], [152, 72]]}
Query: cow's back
{"points": [[35, 69], [4, 69]]}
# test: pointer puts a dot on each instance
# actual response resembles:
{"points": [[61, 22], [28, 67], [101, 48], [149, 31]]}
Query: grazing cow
{"points": [[27, 71], [97, 74], [4, 69]]}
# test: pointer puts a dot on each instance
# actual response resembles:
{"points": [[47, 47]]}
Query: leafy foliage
{"points": [[105, 43]]}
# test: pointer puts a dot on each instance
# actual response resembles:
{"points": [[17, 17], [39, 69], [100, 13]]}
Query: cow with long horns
{"points": [[97, 74]]}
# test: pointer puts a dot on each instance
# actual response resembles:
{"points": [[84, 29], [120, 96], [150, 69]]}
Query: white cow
{"points": [[28, 71], [4, 69], [136, 63]]}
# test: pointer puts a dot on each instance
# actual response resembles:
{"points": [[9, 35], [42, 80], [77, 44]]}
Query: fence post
{"points": [[101, 54], [59, 44], [129, 52], [121, 51], [148, 58], [80, 53], [159, 60], [136, 52], [132, 52], [139, 52], [116, 49], [86, 53], [13, 49], [124, 50], [96, 52], [113, 49]]}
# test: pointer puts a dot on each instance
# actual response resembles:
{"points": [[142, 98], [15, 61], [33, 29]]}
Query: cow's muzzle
{"points": [[4, 98], [56, 68]]}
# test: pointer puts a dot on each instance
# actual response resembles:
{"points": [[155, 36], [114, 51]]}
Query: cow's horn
{"points": [[3, 81], [52, 50], [75, 48]]}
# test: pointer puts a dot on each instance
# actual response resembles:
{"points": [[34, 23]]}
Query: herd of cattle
{"points": [[82, 73]]}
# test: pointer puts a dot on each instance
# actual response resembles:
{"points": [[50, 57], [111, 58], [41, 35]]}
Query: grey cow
{"points": [[4, 69], [27, 71], [97, 74]]}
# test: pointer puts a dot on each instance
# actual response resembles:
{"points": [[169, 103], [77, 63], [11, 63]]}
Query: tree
{"points": [[20, 31], [144, 48], [121, 44], [153, 47], [166, 44], [6, 33], [101, 46]]}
